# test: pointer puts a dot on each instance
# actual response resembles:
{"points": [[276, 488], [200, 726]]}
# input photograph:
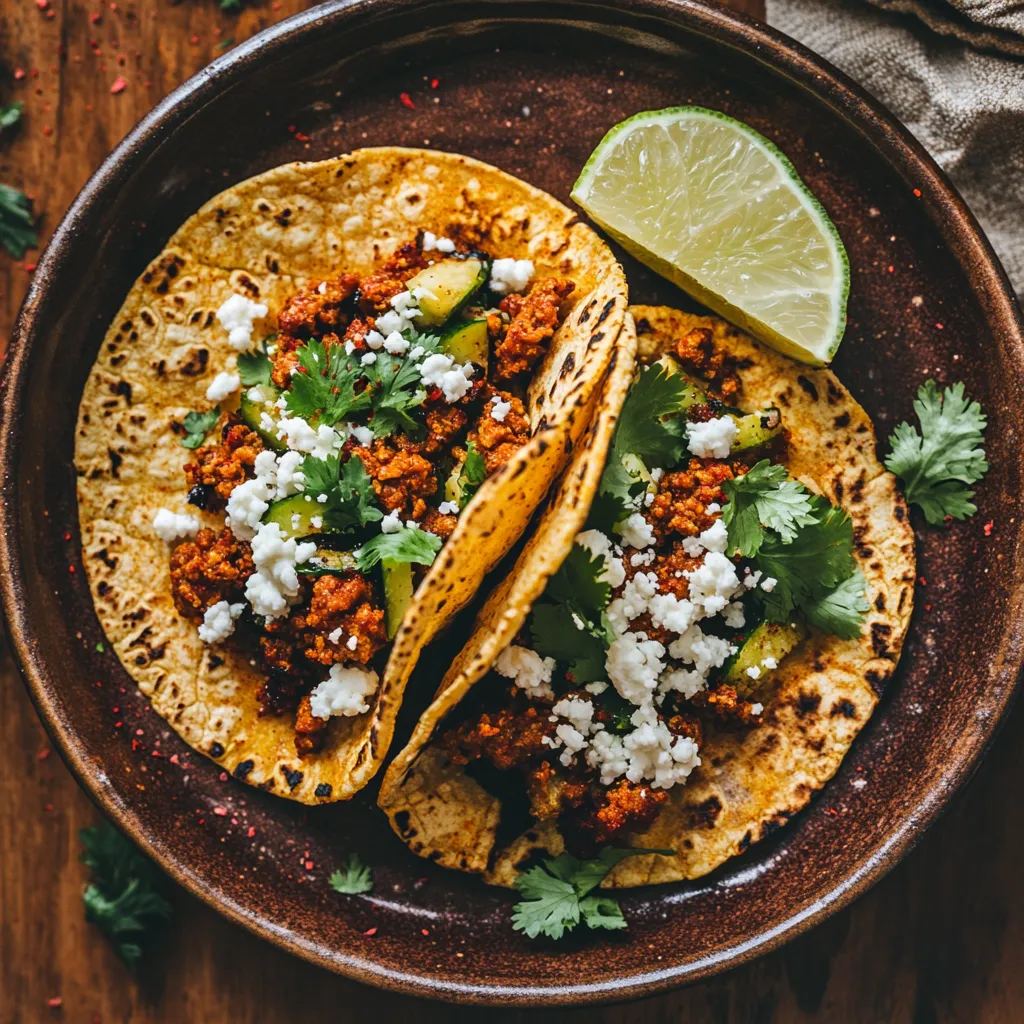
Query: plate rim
{"points": [[779, 55]]}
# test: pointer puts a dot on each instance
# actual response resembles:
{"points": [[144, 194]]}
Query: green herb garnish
{"points": [[10, 114], [17, 225], [349, 490], [396, 387], [196, 426], [254, 367], [471, 475], [764, 498], [557, 894], [409, 544], [354, 879], [122, 899], [326, 392], [937, 464]]}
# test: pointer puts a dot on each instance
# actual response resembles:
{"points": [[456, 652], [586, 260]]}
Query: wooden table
{"points": [[941, 939]]}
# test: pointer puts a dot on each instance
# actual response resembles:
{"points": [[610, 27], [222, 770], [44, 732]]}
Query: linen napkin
{"points": [[953, 72]]}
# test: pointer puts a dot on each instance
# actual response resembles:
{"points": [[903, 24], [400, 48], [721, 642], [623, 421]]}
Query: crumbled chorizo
{"points": [[315, 310], [534, 321], [310, 731], [697, 350], [346, 602], [212, 568], [441, 525], [444, 424], [219, 468], [401, 479], [621, 807], [378, 289], [498, 440], [508, 738], [280, 691], [680, 506], [726, 705]]}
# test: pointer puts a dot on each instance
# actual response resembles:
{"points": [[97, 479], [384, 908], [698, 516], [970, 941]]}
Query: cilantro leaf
{"points": [[764, 497], [326, 391], [10, 114], [840, 611], [254, 367], [349, 490], [937, 464], [397, 387], [196, 426], [409, 544], [356, 878], [577, 584], [642, 433], [122, 898], [556, 894], [815, 562], [471, 475], [555, 634], [17, 225]]}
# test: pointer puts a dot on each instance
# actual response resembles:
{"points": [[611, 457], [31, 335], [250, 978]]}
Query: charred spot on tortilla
{"points": [[242, 769]]}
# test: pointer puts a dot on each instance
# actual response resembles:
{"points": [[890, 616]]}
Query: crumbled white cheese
{"points": [[648, 557], [169, 526], [442, 244], [633, 664], [301, 437], [712, 439], [703, 650], [669, 612], [600, 546], [290, 479], [448, 508], [352, 643], [316, 522], [321, 498], [251, 498], [391, 523], [236, 316], [636, 532], [219, 621], [768, 584], [754, 672], [751, 579], [713, 584], [509, 275], [374, 340], [756, 709], [275, 584], [344, 692], [527, 668], [734, 616], [596, 688], [636, 596], [368, 359], [573, 732], [500, 408], [364, 435], [222, 385], [441, 371], [335, 635], [687, 681], [770, 663], [654, 754], [396, 344]]}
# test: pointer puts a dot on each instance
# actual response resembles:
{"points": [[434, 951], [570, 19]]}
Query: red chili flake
{"points": [[308, 865], [927, 607], [29, 267], [67, 536], [117, 725], [917, 192], [95, 17], [194, 40], [119, 85], [43, 754], [47, 807], [223, 776], [174, 759], [292, 129], [988, 527], [251, 832], [938, 327], [220, 811], [19, 74], [434, 83], [47, 130], [922, 581], [301, 137], [891, 268], [407, 101], [34, 72], [55, 1003], [832, 811], [42, 4], [50, 14], [371, 931], [155, 753], [424, 931]]}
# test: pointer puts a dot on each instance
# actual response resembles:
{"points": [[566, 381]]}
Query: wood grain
{"points": [[940, 940]]}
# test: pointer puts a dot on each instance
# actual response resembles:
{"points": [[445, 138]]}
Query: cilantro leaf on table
{"points": [[764, 497], [355, 878], [122, 898], [397, 387], [642, 433], [254, 367], [937, 464], [557, 894], [840, 611], [349, 489], [17, 225], [196, 426], [326, 392], [409, 544], [471, 475], [10, 114]]}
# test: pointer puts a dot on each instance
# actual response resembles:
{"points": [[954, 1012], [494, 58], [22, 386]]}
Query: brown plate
{"points": [[928, 299]]}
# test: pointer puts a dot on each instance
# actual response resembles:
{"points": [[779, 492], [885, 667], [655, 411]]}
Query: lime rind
{"points": [[839, 286]]}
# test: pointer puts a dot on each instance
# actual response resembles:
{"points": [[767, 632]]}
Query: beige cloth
{"points": [[953, 72]]}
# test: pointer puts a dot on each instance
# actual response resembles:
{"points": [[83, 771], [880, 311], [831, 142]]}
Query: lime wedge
{"points": [[715, 207]]}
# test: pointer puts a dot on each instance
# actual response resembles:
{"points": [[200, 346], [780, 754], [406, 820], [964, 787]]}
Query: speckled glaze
{"points": [[927, 299]]}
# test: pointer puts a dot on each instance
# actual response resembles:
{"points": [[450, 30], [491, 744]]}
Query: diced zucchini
{"points": [[259, 401], [295, 515], [327, 562], [768, 640], [693, 393], [398, 591], [447, 287], [636, 468], [460, 485], [466, 342], [756, 429]]}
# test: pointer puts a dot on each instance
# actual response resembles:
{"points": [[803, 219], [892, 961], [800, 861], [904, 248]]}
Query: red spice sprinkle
{"points": [[434, 83], [220, 811], [252, 831], [174, 759], [922, 581], [371, 931], [67, 536], [43, 754], [989, 527], [301, 137], [55, 1003], [47, 807], [309, 865], [424, 931], [927, 607], [42, 4], [19, 74], [832, 811], [938, 327], [407, 101], [95, 17], [51, 13], [194, 40], [119, 85], [47, 130], [223, 776], [891, 269], [917, 192], [29, 267], [117, 725]]}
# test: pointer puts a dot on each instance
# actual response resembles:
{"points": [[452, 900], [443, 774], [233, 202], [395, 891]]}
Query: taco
{"points": [[682, 666], [322, 414]]}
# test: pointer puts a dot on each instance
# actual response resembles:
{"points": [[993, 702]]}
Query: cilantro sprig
{"points": [[123, 898], [10, 114], [356, 877], [938, 464], [17, 225], [570, 623], [197, 424], [471, 475], [349, 490], [558, 894], [326, 392], [396, 387], [254, 367], [643, 433], [409, 544], [803, 542]]}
